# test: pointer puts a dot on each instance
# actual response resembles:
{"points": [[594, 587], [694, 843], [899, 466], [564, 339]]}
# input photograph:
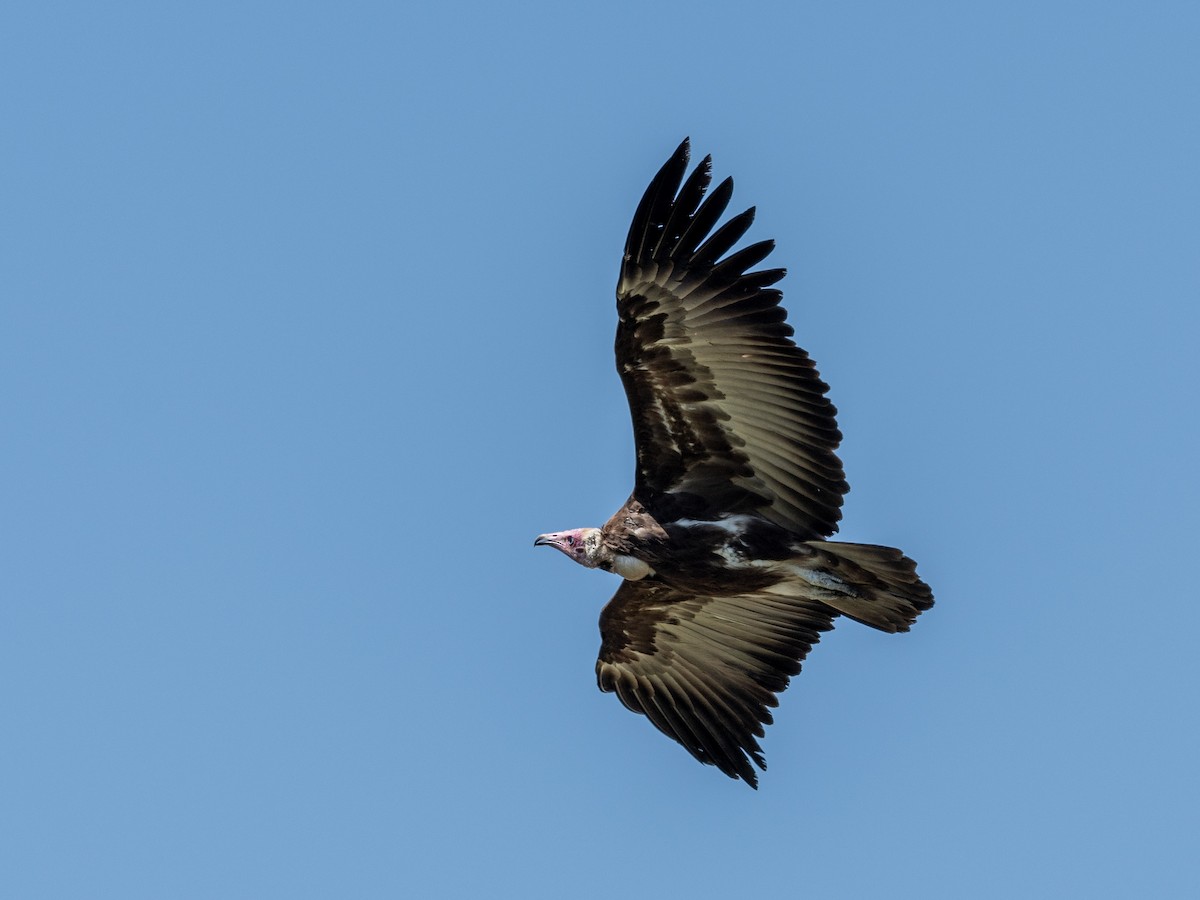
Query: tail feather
{"points": [[885, 591]]}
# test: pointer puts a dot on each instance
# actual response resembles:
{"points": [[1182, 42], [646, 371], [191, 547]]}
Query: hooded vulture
{"points": [[728, 576]]}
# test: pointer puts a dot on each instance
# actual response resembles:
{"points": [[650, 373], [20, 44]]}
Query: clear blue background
{"points": [[305, 332]]}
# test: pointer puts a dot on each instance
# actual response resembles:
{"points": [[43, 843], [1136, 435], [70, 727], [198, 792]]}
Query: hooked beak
{"points": [[545, 540]]}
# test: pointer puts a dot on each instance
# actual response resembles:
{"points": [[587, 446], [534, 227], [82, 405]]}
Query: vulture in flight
{"points": [[728, 576]]}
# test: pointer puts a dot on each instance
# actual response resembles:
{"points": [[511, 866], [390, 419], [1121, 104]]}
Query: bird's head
{"points": [[581, 544]]}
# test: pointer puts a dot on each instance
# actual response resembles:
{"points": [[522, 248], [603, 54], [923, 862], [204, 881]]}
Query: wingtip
{"points": [[749, 778], [684, 151]]}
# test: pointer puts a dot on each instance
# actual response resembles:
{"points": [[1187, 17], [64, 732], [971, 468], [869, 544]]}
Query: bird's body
{"points": [[728, 578]]}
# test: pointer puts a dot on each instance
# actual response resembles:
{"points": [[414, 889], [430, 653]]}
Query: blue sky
{"points": [[305, 332]]}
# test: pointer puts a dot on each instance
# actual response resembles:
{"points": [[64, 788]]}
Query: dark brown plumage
{"points": [[729, 582]]}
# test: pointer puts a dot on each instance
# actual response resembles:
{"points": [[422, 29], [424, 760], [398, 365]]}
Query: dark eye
{"points": [[571, 541]]}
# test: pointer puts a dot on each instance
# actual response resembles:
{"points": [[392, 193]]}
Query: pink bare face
{"points": [[570, 542]]}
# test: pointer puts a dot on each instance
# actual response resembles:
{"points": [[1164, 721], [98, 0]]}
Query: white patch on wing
{"points": [[731, 556], [735, 524]]}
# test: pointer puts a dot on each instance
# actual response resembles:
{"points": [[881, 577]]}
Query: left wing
{"points": [[729, 415], [705, 670]]}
